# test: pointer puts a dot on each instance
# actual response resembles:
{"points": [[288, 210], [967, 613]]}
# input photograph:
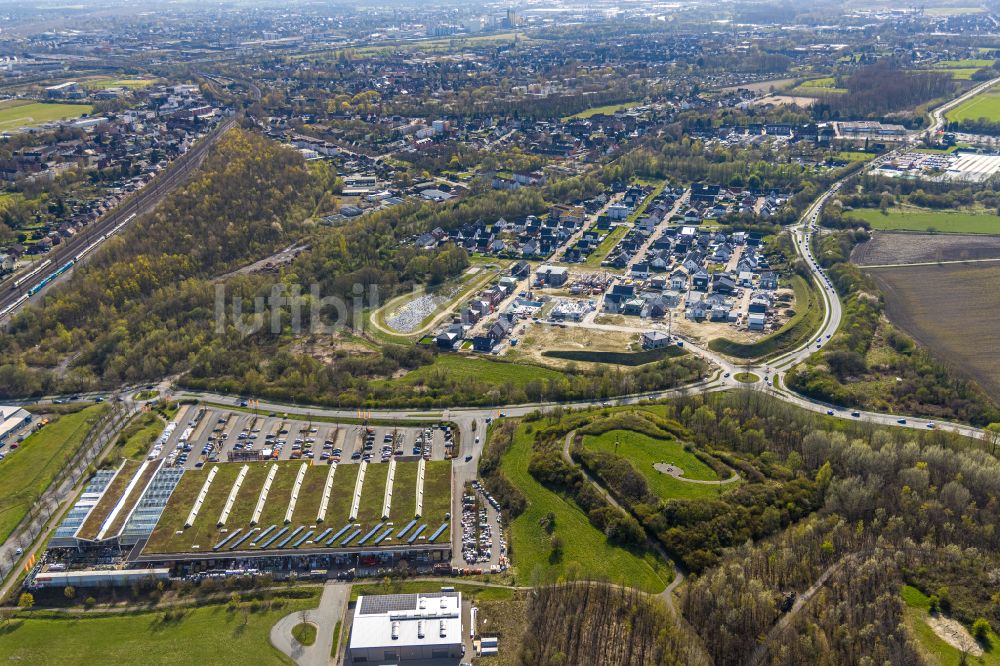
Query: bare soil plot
{"points": [[539, 338], [954, 634], [761, 86], [907, 248], [951, 309], [786, 100]]}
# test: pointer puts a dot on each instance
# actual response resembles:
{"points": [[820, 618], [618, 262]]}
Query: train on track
{"points": [[59, 271]]}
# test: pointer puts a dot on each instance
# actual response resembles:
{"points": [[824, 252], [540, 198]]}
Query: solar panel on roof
{"points": [[394, 603], [406, 528], [413, 537], [227, 538], [264, 534], [388, 603], [350, 536], [438, 531], [301, 539], [339, 532], [273, 538], [382, 537], [236, 544], [322, 535], [289, 537], [371, 533]]}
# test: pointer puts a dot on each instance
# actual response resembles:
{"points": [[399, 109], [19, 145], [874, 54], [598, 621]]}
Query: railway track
{"points": [[62, 260]]}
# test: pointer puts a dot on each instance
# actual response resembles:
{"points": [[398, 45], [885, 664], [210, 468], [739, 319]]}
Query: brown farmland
{"points": [[887, 247], [952, 310]]}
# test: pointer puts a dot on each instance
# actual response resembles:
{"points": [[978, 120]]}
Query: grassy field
{"points": [[939, 652], [339, 507], [31, 114], [854, 156], [644, 452], [372, 494], [139, 435], [205, 635], [616, 357], [102, 83], [805, 322], [586, 552], [437, 494], [483, 369], [959, 74], [984, 105], [915, 219], [397, 586], [950, 309], [607, 109], [820, 86], [404, 493], [27, 472], [610, 241]]}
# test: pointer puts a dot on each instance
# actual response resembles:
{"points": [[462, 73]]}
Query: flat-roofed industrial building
{"points": [[407, 629]]}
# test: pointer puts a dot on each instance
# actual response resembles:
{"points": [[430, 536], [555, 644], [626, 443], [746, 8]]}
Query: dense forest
{"points": [[884, 89], [593, 623], [888, 507], [886, 492]]}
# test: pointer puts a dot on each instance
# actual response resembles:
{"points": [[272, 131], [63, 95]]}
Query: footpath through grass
{"points": [[643, 451], [586, 552], [206, 635], [28, 471], [917, 219]]}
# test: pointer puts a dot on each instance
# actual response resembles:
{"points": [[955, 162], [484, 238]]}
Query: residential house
{"points": [[700, 280], [654, 340], [450, 337], [679, 280], [552, 276]]}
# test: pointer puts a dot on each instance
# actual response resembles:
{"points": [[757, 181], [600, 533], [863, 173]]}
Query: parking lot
{"points": [[484, 536], [206, 434]]}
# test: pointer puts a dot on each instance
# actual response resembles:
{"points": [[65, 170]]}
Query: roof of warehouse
{"points": [[413, 615]]}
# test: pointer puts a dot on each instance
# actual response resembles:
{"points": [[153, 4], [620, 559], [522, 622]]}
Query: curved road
{"points": [[471, 422]]}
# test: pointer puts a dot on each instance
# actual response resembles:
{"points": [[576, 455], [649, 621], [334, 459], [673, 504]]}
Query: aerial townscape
{"points": [[521, 333]]}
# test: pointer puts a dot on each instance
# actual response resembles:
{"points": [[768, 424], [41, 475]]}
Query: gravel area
{"points": [[410, 315]]}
